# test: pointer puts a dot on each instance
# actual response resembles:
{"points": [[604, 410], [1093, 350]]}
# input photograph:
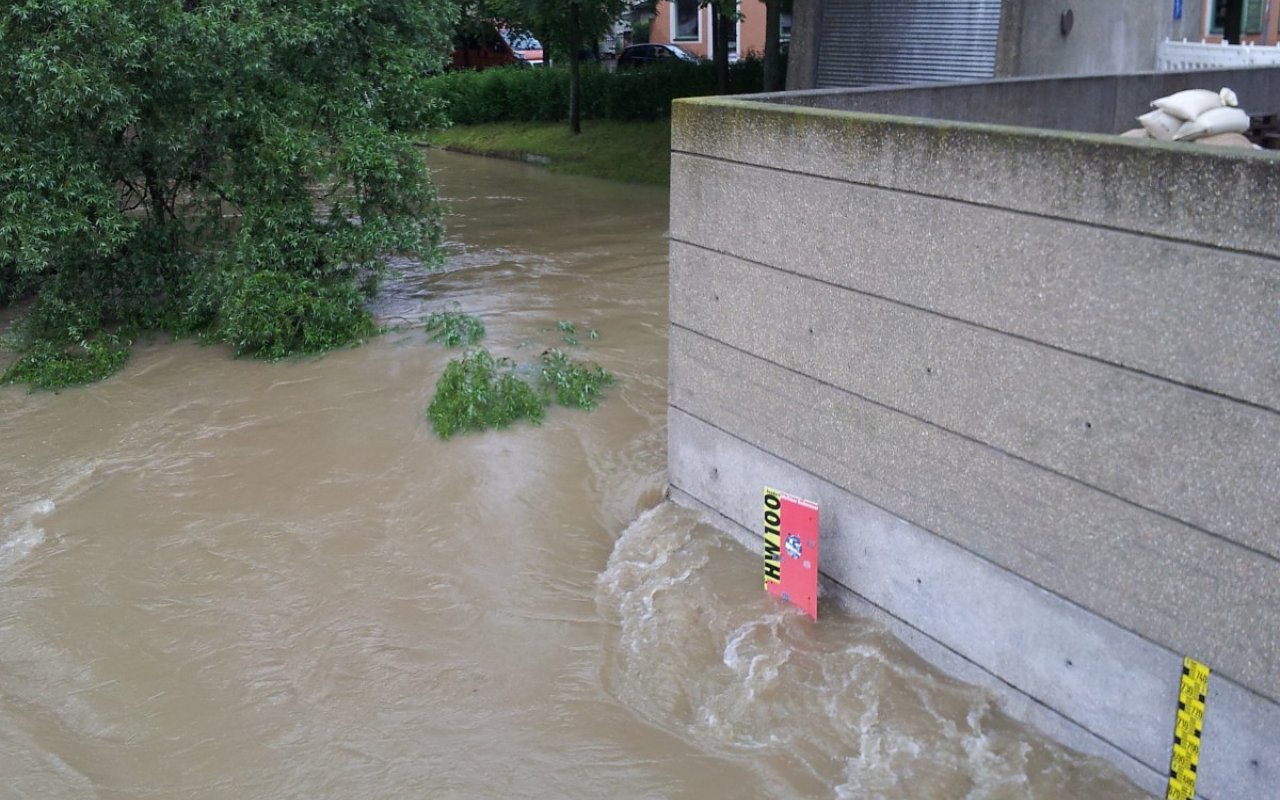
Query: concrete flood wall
{"points": [[1032, 378], [1087, 104]]}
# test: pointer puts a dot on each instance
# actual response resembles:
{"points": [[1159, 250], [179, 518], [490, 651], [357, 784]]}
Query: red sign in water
{"points": [[791, 550]]}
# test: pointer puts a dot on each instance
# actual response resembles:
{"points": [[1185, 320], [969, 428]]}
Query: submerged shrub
{"points": [[454, 329], [572, 383], [61, 342], [46, 365], [477, 392], [274, 314]]}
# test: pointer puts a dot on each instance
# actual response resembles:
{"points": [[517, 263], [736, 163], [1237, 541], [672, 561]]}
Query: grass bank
{"points": [[636, 152]]}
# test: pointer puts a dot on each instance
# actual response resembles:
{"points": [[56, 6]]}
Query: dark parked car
{"points": [[642, 55]]}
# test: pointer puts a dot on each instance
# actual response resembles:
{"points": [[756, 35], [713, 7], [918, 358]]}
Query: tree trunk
{"points": [[773, 77], [154, 191], [720, 23], [575, 69]]}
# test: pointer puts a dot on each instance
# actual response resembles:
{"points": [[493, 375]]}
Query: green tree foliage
{"points": [[234, 167]]}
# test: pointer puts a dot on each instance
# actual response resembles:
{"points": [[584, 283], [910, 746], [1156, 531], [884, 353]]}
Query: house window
{"points": [[686, 21], [1250, 21], [785, 17]]}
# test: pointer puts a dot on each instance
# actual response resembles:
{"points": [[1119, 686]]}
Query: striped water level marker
{"points": [[1186, 730]]}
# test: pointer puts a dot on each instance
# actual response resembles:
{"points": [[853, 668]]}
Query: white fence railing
{"points": [[1184, 55]]}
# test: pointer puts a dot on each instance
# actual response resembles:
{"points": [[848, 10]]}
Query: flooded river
{"points": [[227, 579]]}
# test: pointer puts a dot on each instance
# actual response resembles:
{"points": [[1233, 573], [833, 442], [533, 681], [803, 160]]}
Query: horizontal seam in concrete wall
{"points": [[976, 204], [978, 326], [1158, 770], [1189, 313], [964, 380], [1230, 543]]}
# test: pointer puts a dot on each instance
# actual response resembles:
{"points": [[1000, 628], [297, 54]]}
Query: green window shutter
{"points": [[1253, 16], [1251, 21]]}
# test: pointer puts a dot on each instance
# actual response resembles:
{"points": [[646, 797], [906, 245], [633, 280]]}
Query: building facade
{"points": [[687, 24], [864, 42]]}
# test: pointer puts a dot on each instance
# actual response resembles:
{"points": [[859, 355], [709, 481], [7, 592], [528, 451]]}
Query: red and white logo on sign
{"points": [[791, 550]]}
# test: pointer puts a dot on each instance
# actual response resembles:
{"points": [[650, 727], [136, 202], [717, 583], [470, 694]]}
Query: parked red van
{"points": [[481, 49]]}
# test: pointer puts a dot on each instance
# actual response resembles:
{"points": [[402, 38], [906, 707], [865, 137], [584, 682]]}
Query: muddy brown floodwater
{"points": [[227, 579]]}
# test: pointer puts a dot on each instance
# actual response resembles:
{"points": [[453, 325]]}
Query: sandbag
{"points": [[1160, 124], [1136, 133], [1191, 103], [1226, 140], [1215, 120]]}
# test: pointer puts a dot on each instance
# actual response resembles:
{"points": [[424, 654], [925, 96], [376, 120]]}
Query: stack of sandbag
{"points": [[1196, 115]]}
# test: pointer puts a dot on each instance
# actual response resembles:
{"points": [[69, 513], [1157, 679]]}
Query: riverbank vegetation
{"points": [[522, 94], [636, 152], [518, 113], [570, 32], [236, 171]]}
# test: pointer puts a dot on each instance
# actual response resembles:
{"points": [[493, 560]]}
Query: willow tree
{"points": [[235, 167]]}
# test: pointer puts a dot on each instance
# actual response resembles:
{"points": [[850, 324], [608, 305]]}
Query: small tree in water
{"points": [[233, 168], [478, 391]]}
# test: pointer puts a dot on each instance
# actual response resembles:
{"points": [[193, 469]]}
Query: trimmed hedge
{"points": [[524, 94]]}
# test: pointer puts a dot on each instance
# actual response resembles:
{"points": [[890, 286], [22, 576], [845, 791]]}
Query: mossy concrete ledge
{"points": [[1031, 375]]}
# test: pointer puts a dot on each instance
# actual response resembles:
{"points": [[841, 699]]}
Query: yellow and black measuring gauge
{"points": [[1185, 763]]}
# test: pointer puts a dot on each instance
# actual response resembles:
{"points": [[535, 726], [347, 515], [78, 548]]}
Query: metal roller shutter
{"points": [[867, 42]]}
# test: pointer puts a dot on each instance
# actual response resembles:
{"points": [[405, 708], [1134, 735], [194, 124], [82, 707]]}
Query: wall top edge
{"points": [[1220, 197], [1020, 80], [761, 108]]}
